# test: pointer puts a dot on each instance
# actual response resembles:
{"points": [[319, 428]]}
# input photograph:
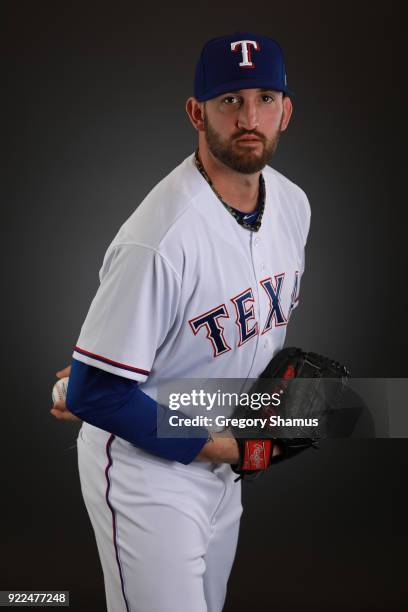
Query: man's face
{"points": [[242, 128]]}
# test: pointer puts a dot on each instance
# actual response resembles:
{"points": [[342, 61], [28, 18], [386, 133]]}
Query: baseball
{"points": [[59, 390]]}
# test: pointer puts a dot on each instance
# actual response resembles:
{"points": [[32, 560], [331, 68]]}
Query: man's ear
{"points": [[287, 112], [195, 112]]}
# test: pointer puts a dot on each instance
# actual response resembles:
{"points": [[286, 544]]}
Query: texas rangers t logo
{"points": [[245, 46], [215, 331]]}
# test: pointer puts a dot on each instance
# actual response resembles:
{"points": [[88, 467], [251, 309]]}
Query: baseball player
{"points": [[199, 283]]}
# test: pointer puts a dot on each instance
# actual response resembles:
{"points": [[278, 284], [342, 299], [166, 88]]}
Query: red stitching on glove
{"points": [[289, 373]]}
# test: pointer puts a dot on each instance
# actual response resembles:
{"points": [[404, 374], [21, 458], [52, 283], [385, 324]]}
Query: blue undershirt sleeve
{"points": [[117, 405]]}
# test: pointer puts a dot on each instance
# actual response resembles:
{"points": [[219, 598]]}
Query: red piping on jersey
{"points": [[124, 366]]}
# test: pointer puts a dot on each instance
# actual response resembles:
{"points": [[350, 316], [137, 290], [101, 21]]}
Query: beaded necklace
{"points": [[253, 227]]}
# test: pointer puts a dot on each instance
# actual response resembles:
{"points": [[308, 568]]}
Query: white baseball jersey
{"points": [[187, 292]]}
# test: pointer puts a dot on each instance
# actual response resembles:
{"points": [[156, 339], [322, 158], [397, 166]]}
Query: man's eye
{"points": [[267, 98], [230, 100]]}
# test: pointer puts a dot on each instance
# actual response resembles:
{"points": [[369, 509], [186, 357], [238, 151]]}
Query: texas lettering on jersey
{"points": [[248, 326]]}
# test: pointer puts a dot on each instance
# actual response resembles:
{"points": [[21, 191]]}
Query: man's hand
{"points": [[223, 448], [59, 409]]}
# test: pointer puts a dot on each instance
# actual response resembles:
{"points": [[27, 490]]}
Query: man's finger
{"points": [[276, 450], [64, 416], [56, 413], [61, 412], [64, 372], [60, 405]]}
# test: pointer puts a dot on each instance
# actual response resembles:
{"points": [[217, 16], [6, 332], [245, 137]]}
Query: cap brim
{"points": [[248, 83]]}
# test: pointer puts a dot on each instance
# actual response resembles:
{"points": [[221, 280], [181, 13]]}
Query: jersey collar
{"points": [[240, 219]]}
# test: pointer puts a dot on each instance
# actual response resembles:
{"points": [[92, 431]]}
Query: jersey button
{"points": [[256, 241]]}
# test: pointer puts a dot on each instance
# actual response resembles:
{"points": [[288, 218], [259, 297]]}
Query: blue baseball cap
{"points": [[239, 61]]}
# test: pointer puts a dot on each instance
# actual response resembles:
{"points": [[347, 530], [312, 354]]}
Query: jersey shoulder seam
{"points": [[150, 248], [187, 208]]}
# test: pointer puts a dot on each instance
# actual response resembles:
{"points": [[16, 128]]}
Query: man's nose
{"points": [[248, 116]]}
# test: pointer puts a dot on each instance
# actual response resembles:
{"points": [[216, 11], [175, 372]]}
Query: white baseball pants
{"points": [[166, 533]]}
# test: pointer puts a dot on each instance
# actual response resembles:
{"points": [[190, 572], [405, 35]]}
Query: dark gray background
{"points": [[95, 117]]}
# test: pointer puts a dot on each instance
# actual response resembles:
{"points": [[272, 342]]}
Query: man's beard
{"points": [[241, 159]]}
